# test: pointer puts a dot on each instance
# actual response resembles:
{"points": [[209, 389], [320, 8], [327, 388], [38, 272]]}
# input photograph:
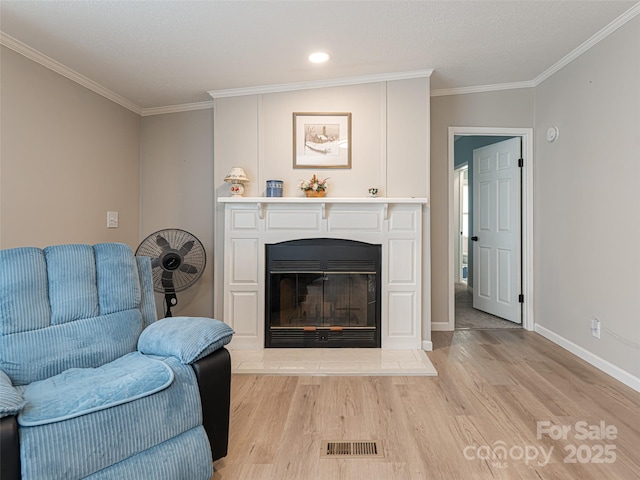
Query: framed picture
{"points": [[321, 140]]}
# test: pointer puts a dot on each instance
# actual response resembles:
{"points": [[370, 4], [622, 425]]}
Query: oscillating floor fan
{"points": [[177, 262]]}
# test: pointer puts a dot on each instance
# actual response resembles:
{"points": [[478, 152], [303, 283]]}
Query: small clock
{"points": [[552, 134]]}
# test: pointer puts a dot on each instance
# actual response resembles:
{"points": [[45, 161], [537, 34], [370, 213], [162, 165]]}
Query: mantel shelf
{"points": [[260, 202], [379, 200]]}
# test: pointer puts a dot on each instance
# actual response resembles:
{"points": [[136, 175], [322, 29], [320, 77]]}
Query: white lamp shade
{"points": [[236, 175]]}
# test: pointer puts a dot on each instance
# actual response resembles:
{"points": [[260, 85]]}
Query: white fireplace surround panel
{"points": [[393, 223]]}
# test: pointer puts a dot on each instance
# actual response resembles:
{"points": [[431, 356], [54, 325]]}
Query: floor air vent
{"points": [[351, 449]]}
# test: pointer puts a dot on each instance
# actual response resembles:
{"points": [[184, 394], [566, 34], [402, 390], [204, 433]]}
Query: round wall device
{"points": [[552, 134]]}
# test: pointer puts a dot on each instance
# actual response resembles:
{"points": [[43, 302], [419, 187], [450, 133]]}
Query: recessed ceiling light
{"points": [[319, 57]]}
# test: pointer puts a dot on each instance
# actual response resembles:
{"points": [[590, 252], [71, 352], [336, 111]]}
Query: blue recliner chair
{"points": [[91, 384]]}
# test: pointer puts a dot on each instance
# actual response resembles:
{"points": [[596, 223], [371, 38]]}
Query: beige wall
{"points": [[587, 213], [506, 108], [67, 156], [176, 191], [390, 148]]}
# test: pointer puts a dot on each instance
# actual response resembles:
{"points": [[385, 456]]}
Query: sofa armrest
{"points": [[9, 449], [214, 382], [187, 338], [11, 400]]}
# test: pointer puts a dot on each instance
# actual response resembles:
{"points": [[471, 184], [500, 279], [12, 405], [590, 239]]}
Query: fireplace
{"points": [[322, 292], [393, 225]]}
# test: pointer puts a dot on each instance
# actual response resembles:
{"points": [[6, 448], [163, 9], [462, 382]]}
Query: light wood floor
{"points": [[492, 389]]}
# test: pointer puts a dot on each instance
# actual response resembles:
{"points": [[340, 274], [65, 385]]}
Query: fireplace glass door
{"points": [[323, 299]]}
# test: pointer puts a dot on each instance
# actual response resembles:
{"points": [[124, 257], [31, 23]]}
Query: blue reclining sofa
{"points": [[92, 385]]}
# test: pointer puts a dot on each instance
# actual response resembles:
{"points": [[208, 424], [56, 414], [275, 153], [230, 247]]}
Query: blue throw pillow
{"points": [[11, 401], [187, 338]]}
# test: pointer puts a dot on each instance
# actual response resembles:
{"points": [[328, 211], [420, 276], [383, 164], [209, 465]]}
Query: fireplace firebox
{"points": [[322, 292]]}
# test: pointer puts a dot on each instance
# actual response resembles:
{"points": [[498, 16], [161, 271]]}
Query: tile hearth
{"points": [[332, 361]]}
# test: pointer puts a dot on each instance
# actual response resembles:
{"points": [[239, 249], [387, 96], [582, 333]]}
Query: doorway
{"points": [[458, 136], [461, 209]]}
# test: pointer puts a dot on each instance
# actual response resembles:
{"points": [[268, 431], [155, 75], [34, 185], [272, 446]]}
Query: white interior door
{"points": [[496, 225]]}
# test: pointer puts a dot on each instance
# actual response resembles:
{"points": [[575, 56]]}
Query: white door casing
{"points": [[526, 135], [496, 219]]}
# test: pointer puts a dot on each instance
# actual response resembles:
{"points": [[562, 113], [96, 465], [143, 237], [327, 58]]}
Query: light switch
{"points": [[112, 219]]}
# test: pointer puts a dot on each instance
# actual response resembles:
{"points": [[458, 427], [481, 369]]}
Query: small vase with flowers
{"points": [[314, 187]]}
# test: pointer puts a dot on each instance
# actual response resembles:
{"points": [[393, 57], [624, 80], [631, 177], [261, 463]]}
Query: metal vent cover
{"points": [[344, 448], [354, 266], [298, 266]]}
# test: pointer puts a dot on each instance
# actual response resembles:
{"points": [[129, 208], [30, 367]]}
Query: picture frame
{"points": [[321, 140]]}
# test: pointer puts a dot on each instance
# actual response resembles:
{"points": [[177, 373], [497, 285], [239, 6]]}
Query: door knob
{"points": [[474, 238]]}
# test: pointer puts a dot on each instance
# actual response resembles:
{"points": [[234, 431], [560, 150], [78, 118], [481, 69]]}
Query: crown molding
{"points": [[32, 54], [481, 88], [582, 48], [185, 107], [336, 82], [65, 71]]}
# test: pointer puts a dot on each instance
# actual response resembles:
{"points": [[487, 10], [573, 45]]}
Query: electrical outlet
{"points": [[595, 327], [112, 219]]}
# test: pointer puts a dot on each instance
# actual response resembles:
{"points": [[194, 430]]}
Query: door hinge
{"points": [[521, 162], [521, 298]]}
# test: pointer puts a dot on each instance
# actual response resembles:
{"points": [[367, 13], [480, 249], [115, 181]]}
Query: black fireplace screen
{"points": [[323, 293], [323, 299]]}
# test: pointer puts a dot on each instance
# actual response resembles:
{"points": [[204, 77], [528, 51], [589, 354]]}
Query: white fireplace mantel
{"points": [[393, 223]]}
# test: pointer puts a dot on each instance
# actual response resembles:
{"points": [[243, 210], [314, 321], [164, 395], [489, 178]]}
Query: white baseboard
{"points": [[440, 327], [427, 345], [601, 364]]}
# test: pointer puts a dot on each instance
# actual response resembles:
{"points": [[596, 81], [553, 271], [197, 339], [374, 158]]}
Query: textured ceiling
{"points": [[160, 53]]}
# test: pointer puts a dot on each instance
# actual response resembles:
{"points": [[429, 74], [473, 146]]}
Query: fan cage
{"points": [[176, 239]]}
